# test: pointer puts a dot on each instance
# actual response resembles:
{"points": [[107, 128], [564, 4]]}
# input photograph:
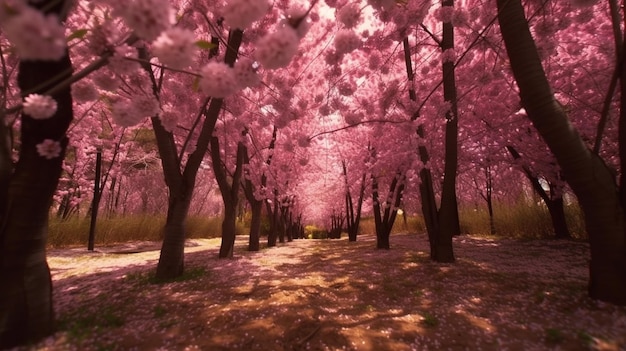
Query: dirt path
{"points": [[334, 295]]}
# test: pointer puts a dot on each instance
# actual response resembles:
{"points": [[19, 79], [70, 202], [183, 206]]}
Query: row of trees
{"points": [[404, 103]]}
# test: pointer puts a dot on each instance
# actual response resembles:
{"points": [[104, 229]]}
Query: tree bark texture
{"points": [[26, 310], [230, 194], [586, 173], [448, 215], [182, 183], [440, 246]]}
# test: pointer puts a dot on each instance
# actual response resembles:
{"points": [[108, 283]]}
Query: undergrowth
{"points": [[75, 230], [520, 220]]}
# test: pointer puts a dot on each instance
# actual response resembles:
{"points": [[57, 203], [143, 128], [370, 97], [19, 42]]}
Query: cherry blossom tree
{"points": [[587, 174], [27, 186]]}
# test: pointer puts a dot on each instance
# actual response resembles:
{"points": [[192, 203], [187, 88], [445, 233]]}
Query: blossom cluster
{"points": [[38, 36], [39, 106], [34, 35], [349, 15]]}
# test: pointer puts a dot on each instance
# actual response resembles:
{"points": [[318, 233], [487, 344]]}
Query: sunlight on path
{"points": [[334, 294]]}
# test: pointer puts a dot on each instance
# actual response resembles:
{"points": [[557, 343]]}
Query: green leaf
{"points": [[205, 45], [78, 34]]}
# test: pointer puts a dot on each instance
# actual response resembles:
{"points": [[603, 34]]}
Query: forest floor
{"points": [[501, 294]]}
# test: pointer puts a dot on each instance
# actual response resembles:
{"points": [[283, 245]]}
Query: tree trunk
{"points": [[281, 225], [181, 183], [556, 208], [228, 231], [448, 210], [95, 204], [255, 225], [353, 217], [384, 221], [171, 260], [440, 247], [586, 173], [272, 236], [553, 201], [230, 194], [26, 310]]}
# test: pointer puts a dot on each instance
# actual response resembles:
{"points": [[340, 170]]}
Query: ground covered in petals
{"points": [[333, 294]]}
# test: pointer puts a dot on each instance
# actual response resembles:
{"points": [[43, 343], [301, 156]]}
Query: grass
{"points": [[146, 278], [554, 336], [517, 220], [429, 320], [413, 224], [75, 231], [520, 220], [80, 324]]}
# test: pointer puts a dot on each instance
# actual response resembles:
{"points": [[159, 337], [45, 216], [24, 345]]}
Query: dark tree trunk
{"points": [[588, 176], [171, 259], [256, 205], [384, 220], [95, 204], [181, 183], [440, 245], [290, 227], [488, 197], [353, 217], [256, 208], [556, 207], [228, 232], [448, 210], [26, 310], [554, 201], [273, 215], [281, 225], [230, 195]]}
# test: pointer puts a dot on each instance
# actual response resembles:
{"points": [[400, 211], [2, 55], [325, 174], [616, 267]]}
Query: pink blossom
{"points": [[105, 80], [295, 18], [382, 5], [346, 41], [304, 141], [324, 110], [84, 91], [245, 72], [39, 106], [331, 57], [352, 118], [218, 80], [34, 35], [148, 18], [119, 63], [169, 119], [175, 47], [102, 36], [242, 13], [276, 49], [449, 55], [444, 14], [374, 61], [349, 15], [145, 105], [49, 149], [121, 114], [346, 88], [125, 113]]}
